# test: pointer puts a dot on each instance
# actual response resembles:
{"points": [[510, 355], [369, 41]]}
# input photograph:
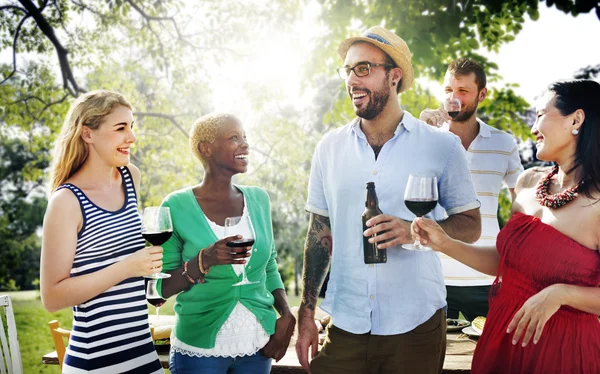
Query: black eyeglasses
{"points": [[362, 69]]}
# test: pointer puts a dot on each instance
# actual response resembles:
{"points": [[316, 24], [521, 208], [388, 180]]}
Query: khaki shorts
{"points": [[421, 350]]}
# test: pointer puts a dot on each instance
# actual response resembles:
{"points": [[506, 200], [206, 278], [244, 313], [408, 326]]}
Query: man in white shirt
{"points": [[493, 159], [386, 317]]}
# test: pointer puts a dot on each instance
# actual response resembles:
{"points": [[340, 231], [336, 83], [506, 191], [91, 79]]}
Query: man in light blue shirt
{"points": [[386, 317]]}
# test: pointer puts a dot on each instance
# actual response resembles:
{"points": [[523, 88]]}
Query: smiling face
{"points": [[552, 131], [112, 140], [230, 149], [369, 94], [464, 88]]}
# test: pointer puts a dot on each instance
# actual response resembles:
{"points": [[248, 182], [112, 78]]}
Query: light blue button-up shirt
{"points": [[395, 297]]}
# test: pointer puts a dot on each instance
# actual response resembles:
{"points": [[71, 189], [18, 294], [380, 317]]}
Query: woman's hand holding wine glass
{"points": [[430, 233], [219, 253], [157, 228], [243, 227], [145, 263]]}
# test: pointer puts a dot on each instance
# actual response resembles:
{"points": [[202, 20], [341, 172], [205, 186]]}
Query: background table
{"points": [[459, 354]]}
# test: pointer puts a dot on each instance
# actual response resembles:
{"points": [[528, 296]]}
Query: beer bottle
{"points": [[373, 255]]}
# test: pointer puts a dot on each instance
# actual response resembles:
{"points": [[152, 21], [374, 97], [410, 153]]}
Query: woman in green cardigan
{"points": [[220, 328]]}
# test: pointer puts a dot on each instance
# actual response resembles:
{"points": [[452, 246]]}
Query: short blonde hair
{"points": [[70, 151], [204, 130]]}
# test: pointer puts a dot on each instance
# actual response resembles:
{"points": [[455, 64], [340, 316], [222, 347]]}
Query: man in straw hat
{"points": [[388, 317]]}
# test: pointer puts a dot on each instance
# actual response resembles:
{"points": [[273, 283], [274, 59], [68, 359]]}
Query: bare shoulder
{"points": [[530, 177], [136, 174], [63, 204]]}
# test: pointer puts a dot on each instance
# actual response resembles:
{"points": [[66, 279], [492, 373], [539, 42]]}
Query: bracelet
{"points": [[201, 264], [187, 276]]}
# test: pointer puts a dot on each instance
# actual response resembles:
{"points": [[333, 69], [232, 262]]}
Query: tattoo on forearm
{"points": [[317, 256]]}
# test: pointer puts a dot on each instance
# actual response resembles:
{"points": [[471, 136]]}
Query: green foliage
{"points": [[504, 207], [436, 31], [162, 55], [504, 109], [21, 211], [34, 335]]}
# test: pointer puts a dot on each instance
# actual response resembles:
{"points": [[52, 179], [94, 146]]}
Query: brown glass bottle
{"points": [[372, 254]]}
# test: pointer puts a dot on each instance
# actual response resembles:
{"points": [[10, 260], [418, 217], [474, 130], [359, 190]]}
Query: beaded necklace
{"points": [[546, 199]]}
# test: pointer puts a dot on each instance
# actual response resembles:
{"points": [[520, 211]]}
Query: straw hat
{"points": [[391, 44]]}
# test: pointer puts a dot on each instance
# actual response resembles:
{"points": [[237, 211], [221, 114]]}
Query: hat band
{"points": [[378, 38]]}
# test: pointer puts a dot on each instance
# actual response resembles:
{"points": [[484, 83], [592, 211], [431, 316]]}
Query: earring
{"points": [[393, 83], [575, 132]]}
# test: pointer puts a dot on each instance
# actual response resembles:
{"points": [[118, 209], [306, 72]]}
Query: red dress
{"points": [[534, 256]]}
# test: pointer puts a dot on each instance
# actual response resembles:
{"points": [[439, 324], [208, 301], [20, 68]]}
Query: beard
{"points": [[466, 112], [377, 101]]}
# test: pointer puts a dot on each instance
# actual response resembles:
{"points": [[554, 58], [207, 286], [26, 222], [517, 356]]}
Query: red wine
{"points": [[157, 238], [157, 303], [453, 114], [240, 243], [420, 207]]}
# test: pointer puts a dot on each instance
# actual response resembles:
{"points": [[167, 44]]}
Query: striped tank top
{"points": [[110, 332]]}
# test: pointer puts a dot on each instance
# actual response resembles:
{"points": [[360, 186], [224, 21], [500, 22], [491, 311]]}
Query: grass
{"points": [[33, 332], [34, 335]]}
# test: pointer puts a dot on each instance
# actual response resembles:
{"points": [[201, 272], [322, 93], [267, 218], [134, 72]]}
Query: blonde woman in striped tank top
{"points": [[93, 255]]}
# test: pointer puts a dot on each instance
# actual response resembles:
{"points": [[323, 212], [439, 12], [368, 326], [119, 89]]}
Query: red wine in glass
{"points": [[157, 303], [232, 228], [420, 197], [152, 295], [157, 238], [452, 106], [245, 242], [420, 207], [157, 228]]}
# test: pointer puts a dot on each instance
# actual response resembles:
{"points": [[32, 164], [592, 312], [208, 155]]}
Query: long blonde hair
{"points": [[70, 151]]}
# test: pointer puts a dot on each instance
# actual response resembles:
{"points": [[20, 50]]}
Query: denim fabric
{"points": [[255, 364]]}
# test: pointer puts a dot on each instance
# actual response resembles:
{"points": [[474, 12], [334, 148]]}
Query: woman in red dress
{"points": [[544, 316]]}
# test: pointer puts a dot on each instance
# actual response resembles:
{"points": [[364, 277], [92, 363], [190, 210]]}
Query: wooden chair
{"points": [[58, 335], [10, 353]]}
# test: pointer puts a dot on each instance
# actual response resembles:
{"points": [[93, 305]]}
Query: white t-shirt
{"points": [[493, 159]]}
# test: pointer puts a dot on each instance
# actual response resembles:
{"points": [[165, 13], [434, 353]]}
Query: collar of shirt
{"points": [[484, 130], [407, 122]]}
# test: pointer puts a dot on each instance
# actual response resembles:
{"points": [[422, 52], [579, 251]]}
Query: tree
{"points": [[588, 72], [160, 55], [439, 31], [21, 211]]}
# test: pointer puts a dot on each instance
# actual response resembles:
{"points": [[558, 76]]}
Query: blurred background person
{"points": [[493, 159]]}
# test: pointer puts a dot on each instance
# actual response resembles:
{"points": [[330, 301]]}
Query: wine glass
{"points": [[152, 295], [420, 197], [157, 228], [452, 106], [240, 226]]}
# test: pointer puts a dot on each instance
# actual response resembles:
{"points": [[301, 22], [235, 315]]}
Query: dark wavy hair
{"points": [[584, 95]]}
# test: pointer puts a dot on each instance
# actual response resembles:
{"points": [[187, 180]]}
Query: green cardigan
{"points": [[202, 310]]}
